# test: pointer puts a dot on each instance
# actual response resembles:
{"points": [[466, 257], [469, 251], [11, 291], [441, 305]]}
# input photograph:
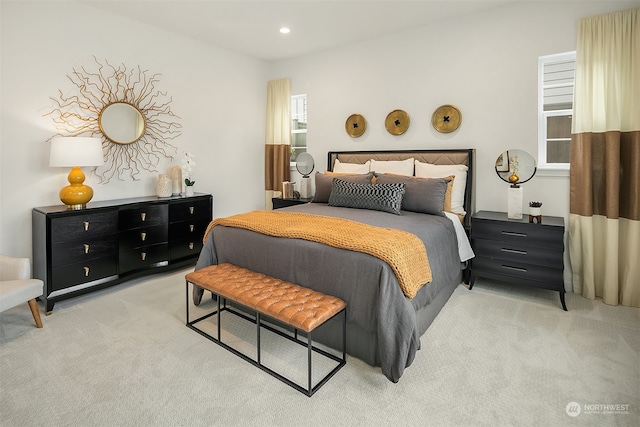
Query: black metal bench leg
{"points": [[309, 347]]}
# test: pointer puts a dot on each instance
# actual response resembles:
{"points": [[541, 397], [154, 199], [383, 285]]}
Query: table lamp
{"points": [[76, 152]]}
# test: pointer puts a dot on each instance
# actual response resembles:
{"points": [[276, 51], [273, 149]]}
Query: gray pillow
{"points": [[324, 183], [423, 195], [379, 197]]}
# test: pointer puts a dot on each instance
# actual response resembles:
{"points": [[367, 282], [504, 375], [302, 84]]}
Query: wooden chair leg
{"points": [[33, 305]]}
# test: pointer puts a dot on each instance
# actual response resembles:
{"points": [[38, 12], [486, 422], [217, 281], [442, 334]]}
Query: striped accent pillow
{"points": [[378, 197]]}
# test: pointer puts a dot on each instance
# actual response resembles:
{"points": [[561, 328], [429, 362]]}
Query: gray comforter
{"points": [[381, 319]]}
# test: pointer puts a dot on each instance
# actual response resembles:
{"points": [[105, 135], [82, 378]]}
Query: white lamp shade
{"points": [[76, 151]]}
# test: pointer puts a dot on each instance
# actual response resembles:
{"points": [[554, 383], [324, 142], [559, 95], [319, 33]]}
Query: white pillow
{"points": [[351, 167], [398, 167], [428, 170]]}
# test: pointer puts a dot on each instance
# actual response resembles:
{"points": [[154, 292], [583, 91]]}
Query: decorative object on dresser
{"points": [[305, 165], [397, 122], [75, 152], [175, 173], [164, 186], [123, 104], [515, 167], [518, 252], [535, 212], [75, 252], [355, 125], [187, 167], [446, 118]]}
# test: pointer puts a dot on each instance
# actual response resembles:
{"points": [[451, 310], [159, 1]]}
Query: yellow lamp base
{"points": [[76, 195]]}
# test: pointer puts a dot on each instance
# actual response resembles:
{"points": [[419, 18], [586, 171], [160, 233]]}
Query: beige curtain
{"points": [[604, 218], [277, 152]]}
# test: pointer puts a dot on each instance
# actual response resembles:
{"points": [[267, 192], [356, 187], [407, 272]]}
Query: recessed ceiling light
{"points": [[285, 30]]}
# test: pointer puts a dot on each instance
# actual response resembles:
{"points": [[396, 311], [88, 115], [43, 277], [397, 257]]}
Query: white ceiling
{"points": [[251, 27]]}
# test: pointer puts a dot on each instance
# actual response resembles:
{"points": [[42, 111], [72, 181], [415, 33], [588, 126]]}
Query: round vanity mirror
{"points": [[122, 123], [304, 164], [515, 166]]}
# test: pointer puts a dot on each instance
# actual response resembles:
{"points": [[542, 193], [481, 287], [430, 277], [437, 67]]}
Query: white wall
{"points": [[219, 96], [484, 63]]}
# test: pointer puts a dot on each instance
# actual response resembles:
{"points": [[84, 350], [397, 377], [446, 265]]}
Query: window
{"points": [[556, 75], [298, 125]]}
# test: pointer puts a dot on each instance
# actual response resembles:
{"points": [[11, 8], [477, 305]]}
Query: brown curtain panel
{"points": [[604, 218], [277, 152]]}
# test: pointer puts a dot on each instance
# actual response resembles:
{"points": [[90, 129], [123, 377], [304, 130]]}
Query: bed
{"points": [[384, 325]]}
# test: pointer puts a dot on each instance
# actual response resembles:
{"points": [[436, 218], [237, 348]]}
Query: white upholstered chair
{"points": [[17, 286]]}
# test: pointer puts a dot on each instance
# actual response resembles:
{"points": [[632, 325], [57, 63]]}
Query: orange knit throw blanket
{"points": [[404, 252]]}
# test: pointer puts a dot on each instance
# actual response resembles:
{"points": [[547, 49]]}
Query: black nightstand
{"points": [[279, 202], [517, 251]]}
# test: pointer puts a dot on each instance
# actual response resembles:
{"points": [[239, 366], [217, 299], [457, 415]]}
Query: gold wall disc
{"points": [[397, 122], [355, 125], [446, 118]]}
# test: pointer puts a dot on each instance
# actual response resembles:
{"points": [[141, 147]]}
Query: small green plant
{"points": [[535, 204], [188, 182]]}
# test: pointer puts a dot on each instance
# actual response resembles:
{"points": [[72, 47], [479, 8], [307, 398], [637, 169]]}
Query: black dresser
{"points": [[517, 251], [78, 251]]}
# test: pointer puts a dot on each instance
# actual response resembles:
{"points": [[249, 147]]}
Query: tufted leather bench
{"points": [[293, 305]]}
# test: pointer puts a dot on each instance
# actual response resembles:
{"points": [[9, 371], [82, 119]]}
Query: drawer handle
{"points": [[143, 255], [143, 216], [511, 233], [86, 226], [191, 227], [86, 248], [191, 209], [86, 272], [143, 236], [508, 267], [514, 251], [191, 245]]}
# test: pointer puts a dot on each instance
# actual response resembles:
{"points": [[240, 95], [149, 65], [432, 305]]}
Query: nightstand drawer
{"points": [[82, 250], [548, 278], [550, 257], [84, 226], [519, 233], [143, 216]]}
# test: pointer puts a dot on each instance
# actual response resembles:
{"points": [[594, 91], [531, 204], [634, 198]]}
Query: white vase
{"points": [[163, 186], [175, 173], [189, 190]]}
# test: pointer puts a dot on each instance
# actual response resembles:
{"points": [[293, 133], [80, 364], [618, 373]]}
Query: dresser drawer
{"points": [[546, 277], [511, 251], [147, 215], [519, 233], [192, 209], [188, 230], [74, 227], [83, 250], [142, 257], [144, 236], [70, 275], [185, 249]]}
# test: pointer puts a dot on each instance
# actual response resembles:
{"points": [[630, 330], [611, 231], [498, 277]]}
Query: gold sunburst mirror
{"points": [[124, 108]]}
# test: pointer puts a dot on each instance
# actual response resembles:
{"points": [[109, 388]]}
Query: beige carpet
{"points": [[495, 356]]}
